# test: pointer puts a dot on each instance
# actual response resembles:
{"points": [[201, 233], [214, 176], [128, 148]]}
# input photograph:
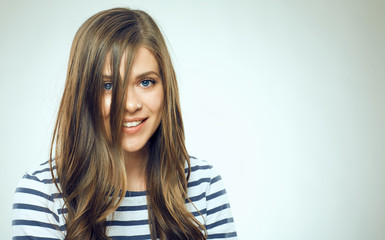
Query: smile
{"points": [[132, 124]]}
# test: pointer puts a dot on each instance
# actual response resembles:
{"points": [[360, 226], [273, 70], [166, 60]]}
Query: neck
{"points": [[136, 163]]}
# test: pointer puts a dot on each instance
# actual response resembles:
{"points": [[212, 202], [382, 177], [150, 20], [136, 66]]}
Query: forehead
{"points": [[143, 61]]}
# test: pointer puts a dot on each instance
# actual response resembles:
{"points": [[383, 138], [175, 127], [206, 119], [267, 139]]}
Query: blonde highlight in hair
{"points": [[89, 159]]}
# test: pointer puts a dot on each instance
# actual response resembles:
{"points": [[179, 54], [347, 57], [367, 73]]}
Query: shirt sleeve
{"points": [[219, 222], [35, 216]]}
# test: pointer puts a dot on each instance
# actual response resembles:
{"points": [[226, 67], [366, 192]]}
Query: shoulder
{"points": [[208, 195], [204, 179], [40, 172], [199, 164], [203, 170], [37, 186], [35, 207], [37, 178]]}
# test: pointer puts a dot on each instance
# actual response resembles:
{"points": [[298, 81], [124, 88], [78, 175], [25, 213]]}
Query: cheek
{"points": [[106, 105], [156, 102]]}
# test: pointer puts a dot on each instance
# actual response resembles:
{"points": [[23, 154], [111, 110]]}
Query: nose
{"points": [[133, 102]]}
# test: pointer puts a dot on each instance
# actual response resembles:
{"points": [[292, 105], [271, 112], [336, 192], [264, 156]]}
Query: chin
{"points": [[132, 147]]}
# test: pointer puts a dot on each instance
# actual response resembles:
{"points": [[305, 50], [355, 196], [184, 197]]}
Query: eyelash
{"points": [[108, 85], [153, 82]]}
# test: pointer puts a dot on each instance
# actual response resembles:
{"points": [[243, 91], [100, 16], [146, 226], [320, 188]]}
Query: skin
{"points": [[144, 102]]}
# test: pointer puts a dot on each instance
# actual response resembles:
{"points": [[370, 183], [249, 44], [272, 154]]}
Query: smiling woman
{"points": [[121, 169]]}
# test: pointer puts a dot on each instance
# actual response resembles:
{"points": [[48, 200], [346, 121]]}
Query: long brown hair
{"points": [[89, 159]]}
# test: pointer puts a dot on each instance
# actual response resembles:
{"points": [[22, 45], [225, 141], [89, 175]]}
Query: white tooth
{"points": [[131, 124]]}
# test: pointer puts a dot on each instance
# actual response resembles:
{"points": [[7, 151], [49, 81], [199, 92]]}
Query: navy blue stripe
{"points": [[222, 235], [63, 227], [137, 237], [195, 183], [217, 209], [135, 194], [31, 177], [195, 168], [127, 223], [196, 213], [34, 192], [35, 208], [62, 210], [35, 224], [196, 198], [41, 171], [45, 181], [216, 179], [132, 208], [217, 194], [49, 180], [56, 195], [27, 176], [32, 238], [44, 163], [221, 222], [38, 224]]}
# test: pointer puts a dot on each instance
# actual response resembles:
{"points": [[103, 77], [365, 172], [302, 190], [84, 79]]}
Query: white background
{"points": [[285, 98]]}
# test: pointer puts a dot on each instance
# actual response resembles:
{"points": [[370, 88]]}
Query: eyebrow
{"points": [[109, 77], [147, 73]]}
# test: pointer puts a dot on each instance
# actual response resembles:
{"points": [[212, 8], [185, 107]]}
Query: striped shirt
{"points": [[38, 212]]}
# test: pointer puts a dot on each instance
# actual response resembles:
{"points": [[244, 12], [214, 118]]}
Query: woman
{"points": [[121, 169]]}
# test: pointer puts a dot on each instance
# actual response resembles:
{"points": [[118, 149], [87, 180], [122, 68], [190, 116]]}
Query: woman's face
{"points": [[143, 108]]}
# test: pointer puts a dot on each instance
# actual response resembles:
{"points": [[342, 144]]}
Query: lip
{"points": [[134, 119], [133, 130]]}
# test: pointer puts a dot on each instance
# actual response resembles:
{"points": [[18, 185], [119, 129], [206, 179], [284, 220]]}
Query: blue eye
{"points": [[107, 86], [147, 82]]}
